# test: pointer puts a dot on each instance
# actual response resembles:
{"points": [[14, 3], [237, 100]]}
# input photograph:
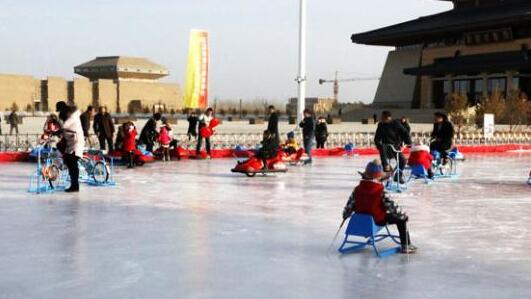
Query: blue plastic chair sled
{"points": [[418, 172], [363, 226]]}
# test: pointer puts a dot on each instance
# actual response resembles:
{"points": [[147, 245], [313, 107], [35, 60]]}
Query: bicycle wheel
{"points": [[100, 172], [51, 173]]}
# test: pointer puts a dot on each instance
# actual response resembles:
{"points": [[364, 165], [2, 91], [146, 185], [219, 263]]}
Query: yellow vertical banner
{"points": [[196, 93]]}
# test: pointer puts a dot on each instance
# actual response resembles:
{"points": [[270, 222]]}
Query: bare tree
{"points": [[457, 109], [494, 104], [516, 109]]}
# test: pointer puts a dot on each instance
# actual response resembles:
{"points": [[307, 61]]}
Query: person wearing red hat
{"points": [[369, 198]]}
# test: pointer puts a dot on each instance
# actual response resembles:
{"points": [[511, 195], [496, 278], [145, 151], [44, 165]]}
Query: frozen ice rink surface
{"points": [[194, 230]]}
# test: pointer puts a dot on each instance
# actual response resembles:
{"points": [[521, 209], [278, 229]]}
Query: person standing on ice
{"points": [[442, 135], [204, 122], [272, 123], [370, 198], [104, 128], [165, 140], [192, 125], [73, 141], [321, 132], [128, 133], [390, 133], [308, 133]]}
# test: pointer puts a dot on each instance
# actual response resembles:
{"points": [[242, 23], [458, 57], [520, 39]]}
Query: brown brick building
{"points": [[122, 84], [475, 48]]}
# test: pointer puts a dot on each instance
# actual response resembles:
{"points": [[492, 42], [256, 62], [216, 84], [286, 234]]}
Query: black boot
{"points": [[72, 189]]}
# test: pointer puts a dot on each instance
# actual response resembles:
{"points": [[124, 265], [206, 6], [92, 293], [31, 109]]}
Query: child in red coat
{"points": [[420, 155], [369, 198], [165, 140], [129, 142]]}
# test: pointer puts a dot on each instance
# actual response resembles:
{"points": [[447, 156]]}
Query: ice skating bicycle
{"points": [[95, 170], [394, 183], [50, 174], [444, 167]]}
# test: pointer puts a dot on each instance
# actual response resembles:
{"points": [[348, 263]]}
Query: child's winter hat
{"points": [[420, 148], [291, 135], [373, 170]]}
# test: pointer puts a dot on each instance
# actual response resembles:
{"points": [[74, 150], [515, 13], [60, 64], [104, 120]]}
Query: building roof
{"points": [[474, 64], [117, 67], [455, 21]]}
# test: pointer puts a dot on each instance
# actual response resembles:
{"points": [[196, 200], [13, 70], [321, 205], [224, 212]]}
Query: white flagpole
{"points": [[301, 79]]}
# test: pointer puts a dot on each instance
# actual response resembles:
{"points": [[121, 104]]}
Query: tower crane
{"points": [[336, 82]]}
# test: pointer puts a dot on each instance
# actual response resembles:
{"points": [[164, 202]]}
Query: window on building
{"points": [[462, 86], [497, 84], [478, 92], [441, 88], [516, 82]]}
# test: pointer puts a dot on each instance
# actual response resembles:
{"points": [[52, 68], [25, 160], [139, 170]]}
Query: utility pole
{"points": [[301, 79]]}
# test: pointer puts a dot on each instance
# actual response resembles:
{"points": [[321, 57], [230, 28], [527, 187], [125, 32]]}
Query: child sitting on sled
{"points": [[369, 198], [269, 148], [290, 146], [420, 155]]}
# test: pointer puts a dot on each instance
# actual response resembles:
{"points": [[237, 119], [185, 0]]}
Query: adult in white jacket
{"points": [[74, 141]]}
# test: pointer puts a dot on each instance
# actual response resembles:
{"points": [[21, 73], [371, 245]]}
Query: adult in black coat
{"points": [[269, 147], [442, 135], [405, 123], [149, 132], [104, 128], [85, 120], [390, 133], [321, 132], [193, 120], [308, 133], [272, 124]]}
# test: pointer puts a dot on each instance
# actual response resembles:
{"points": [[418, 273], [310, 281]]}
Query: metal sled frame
{"points": [[89, 179], [392, 186], [39, 184], [363, 226], [260, 171], [419, 172], [437, 166]]}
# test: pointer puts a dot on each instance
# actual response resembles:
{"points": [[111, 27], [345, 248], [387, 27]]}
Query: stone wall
{"points": [[25, 90], [107, 94], [20, 89], [83, 93], [150, 93], [57, 91], [397, 90]]}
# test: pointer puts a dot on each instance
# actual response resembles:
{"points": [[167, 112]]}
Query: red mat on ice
{"points": [[14, 157], [332, 152]]}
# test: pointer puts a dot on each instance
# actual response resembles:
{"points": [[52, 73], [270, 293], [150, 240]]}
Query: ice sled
{"points": [[294, 159], [254, 166], [418, 172], [456, 154], [363, 226]]}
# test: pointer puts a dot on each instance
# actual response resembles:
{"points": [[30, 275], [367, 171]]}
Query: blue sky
{"points": [[253, 42]]}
